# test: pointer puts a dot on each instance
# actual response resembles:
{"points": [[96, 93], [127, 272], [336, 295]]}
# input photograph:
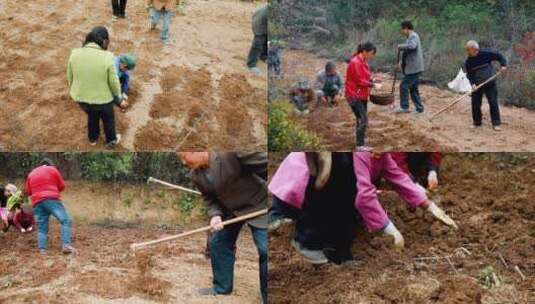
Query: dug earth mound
{"points": [[496, 216]]}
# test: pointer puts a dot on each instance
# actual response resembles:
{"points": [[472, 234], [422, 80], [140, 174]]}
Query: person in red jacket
{"points": [[423, 167], [44, 185], [357, 90]]}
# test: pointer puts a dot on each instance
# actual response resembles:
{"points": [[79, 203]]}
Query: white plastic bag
{"points": [[460, 84]]}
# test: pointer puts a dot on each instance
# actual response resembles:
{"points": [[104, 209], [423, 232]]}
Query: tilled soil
{"points": [[406, 132], [179, 92], [491, 201], [104, 270]]}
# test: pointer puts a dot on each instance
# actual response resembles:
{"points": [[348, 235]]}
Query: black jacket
{"points": [[479, 68]]}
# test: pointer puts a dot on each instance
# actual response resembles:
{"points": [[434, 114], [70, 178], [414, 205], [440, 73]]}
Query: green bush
{"points": [[284, 134], [106, 166], [187, 203]]}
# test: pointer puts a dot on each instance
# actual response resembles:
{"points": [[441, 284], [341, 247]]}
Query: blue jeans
{"points": [[125, 82], [223, 257], [409, 85], [42, 212], [155, 16]]}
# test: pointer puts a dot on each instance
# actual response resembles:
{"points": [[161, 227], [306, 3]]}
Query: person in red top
{"points": [[44, 185], [357, 89], [423, 167]]}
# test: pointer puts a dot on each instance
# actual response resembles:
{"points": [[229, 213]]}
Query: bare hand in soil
{"points": [[216, 223]]}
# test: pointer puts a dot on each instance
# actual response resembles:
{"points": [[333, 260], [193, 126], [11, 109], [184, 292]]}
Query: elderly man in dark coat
{"points": [[232, 184]]}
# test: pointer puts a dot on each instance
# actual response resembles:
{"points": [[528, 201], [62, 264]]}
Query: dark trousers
{"points": [[409, 85], [223, 257], [274, 69], [360, 109], [258, 50], [328, 219], [491, 92], [279, 210], [96, 113], [119, 7], [299, 102]]}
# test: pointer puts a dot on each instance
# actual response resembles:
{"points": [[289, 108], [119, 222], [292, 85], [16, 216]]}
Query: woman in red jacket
{"points": [[358, 86]]}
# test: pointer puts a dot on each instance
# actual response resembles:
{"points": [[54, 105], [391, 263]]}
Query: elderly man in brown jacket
{"points": [[161, 9], [232, 184]]}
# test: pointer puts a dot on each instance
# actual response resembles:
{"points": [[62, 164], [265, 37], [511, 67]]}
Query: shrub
{"points": [[106, 166], [284, 134]]}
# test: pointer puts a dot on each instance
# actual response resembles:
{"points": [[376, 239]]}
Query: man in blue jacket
{"points": [[479, 69]]}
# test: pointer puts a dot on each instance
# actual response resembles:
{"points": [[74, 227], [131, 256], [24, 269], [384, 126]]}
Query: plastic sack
{"points": [[460, 84]]}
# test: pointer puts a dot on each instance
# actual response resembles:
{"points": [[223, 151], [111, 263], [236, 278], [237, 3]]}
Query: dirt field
{"points": [[390, 132], [193, 94], [496, 215], [104, 270]]}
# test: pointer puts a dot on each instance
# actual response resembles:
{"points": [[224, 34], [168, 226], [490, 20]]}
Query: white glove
{"points": [[432, 179], [441, 215], [22, 230], [390, 229]]}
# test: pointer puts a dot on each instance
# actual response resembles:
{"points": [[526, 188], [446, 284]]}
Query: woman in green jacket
{"points": [[94, 85]]}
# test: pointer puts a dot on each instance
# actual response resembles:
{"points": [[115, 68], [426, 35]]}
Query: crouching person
{"points": [[301, 95], [232, 184], [123, 65], [422, 167], [329, 85], [325, 215], [44, 185], [16, 216]]}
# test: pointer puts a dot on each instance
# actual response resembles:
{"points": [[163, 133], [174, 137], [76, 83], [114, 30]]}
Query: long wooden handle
{"points": [[395, 72], [251, 215], [463, 96], [161, 182]]}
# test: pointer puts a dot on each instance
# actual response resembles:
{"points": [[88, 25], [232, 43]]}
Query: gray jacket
{"points": [[260, 21], [412, 60], [323, 81]]}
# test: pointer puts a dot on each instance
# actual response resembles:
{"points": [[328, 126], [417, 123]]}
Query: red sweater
{"points": [[358, 79], [44, 182], [428, 161]]}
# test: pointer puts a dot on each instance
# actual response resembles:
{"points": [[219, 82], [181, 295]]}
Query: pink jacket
{"points": [[290, 181]]}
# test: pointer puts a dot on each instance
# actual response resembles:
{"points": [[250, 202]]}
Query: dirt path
{"points": [[193, 94], [388, 131], [105, 271], [438, 266]]}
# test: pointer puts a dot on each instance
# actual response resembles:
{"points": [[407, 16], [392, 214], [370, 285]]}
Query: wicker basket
{"points": [[382, 99]]}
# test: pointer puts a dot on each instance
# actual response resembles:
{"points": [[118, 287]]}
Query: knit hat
{"points": [[129, 60], [303, 84]]}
